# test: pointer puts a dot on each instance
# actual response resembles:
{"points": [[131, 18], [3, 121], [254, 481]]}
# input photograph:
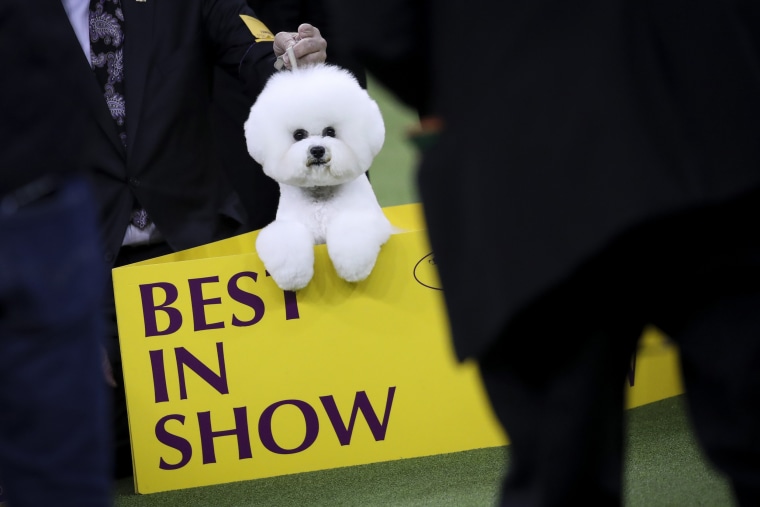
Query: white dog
{"points": [[316, 132]]}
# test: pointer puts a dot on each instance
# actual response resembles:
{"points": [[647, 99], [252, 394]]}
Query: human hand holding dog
{"points": [[309, 47]]}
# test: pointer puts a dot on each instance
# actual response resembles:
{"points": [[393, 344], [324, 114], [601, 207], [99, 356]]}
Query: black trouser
{"points": [[122, 448], [54, 404], [556, 375]]}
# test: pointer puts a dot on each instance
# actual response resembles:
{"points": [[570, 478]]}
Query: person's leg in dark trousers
{"points": [[556, 382], [122, 446], [720, 358], [54, 418], [556, 379], [711, 308], [717, 329]]}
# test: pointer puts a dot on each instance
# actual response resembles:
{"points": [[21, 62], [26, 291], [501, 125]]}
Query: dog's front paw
{"points": [[287, 251], [354, 268], [290, 279], [353, 244]]}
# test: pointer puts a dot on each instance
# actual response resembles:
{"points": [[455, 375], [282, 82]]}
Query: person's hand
{"points": [[309, 47]]}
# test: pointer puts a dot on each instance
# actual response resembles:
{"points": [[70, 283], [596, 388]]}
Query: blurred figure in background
{"points": [[588, 168], [55, 446]]}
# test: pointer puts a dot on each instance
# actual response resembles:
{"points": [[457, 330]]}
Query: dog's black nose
{"points": [[317, 151]]}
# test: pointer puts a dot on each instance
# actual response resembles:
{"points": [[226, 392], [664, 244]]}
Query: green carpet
{"points": [[663, 466]]}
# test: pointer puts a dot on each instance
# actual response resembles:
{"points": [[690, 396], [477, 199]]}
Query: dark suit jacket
{"points": [[41, 115], [567, 124], [170, 164]]}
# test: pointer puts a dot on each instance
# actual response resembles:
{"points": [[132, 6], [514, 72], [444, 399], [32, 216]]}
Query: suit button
{"points": [[134, 182]]}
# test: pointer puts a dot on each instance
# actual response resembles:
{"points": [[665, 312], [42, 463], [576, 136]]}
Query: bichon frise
{"points": [[316, 131]]}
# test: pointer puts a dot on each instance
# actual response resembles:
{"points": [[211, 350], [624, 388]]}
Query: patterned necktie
{"points": [[106, 44], [106, 50], [140, 218]]}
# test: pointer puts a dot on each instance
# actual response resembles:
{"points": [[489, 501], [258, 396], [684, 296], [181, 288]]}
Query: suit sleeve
{"points": [[390, 39], [242, 42]]}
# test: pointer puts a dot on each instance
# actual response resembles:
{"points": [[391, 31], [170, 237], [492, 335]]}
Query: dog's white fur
{"points": [[323, 200]]}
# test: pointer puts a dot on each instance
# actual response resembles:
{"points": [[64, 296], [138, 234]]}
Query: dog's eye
{"points": [[300, 135], [328, 132]]}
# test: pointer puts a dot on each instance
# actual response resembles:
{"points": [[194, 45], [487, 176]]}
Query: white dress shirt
{"points": [[79, 17]]}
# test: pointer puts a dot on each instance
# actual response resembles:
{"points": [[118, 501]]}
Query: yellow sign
{"points": [[229, 378]]}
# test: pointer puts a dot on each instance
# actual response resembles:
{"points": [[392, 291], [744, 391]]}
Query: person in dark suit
{"points": [[151, 151], [55, 446], [260, 194], [593, 167]]}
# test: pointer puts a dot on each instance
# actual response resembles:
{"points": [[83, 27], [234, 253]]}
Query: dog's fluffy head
{"points": [[314, 126]]}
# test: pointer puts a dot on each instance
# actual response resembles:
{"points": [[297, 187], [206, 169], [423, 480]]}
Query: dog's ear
{"points": [[262, 137], [256, 129], [253, 139], [375, 126]]}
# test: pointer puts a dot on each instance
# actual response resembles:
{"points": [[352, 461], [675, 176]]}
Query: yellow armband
{"points": [[259, 30]]}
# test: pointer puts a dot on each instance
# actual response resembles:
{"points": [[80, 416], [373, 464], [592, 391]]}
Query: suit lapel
{"points": [[138, 20], [100, 109], [94, 93]]}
